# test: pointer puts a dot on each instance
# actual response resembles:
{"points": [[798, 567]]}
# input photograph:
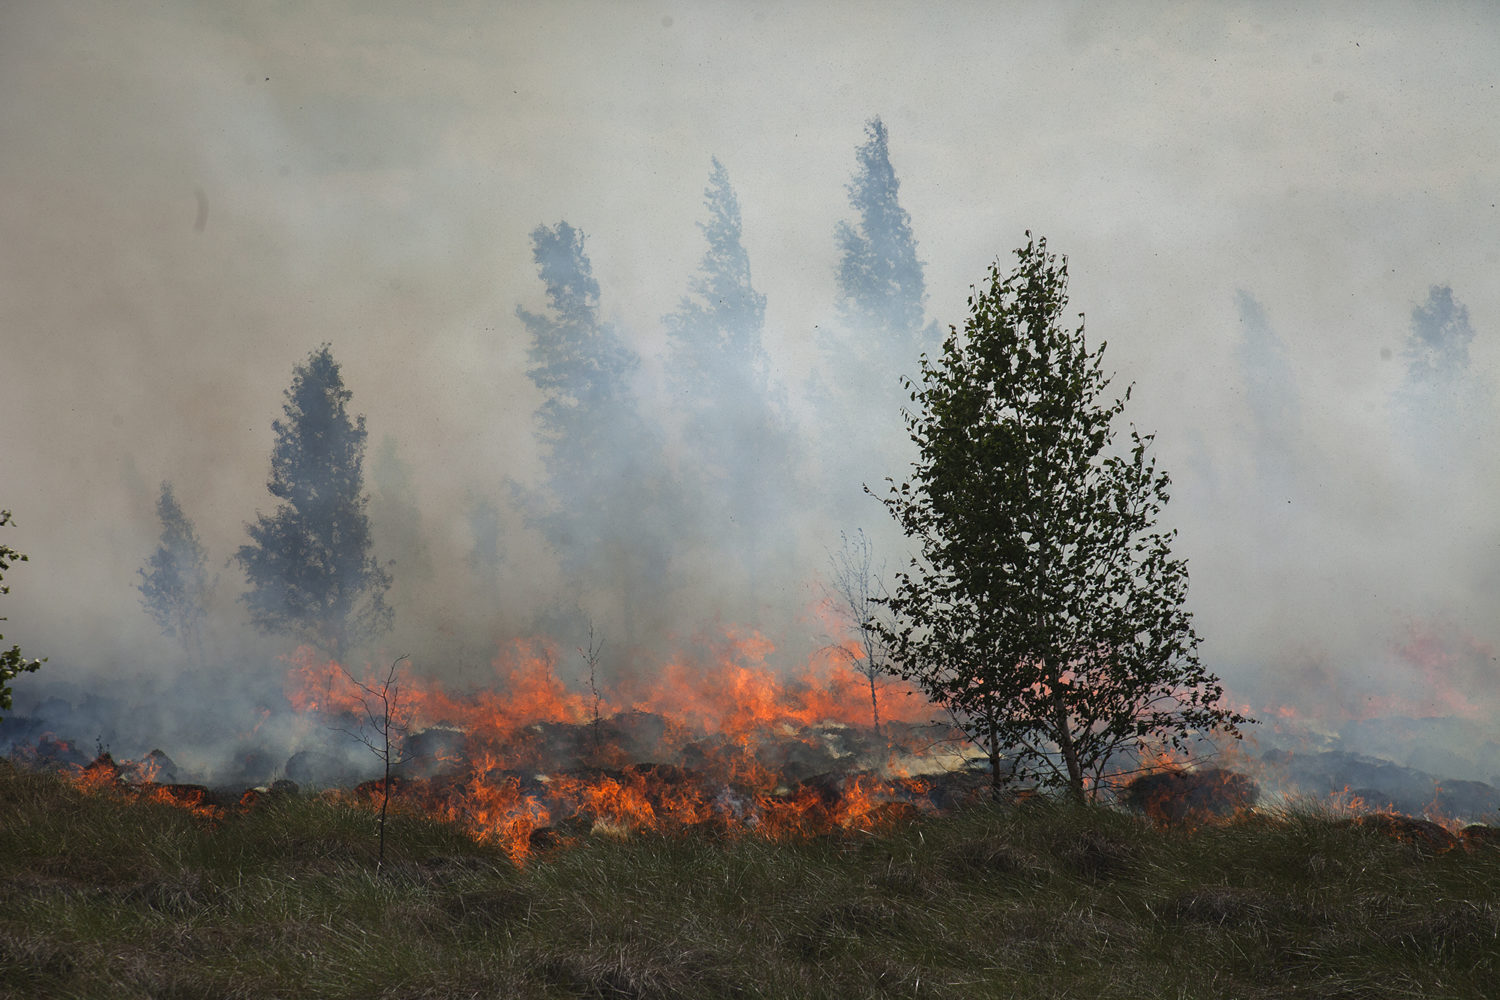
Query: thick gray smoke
{"points": [[658, 415]]}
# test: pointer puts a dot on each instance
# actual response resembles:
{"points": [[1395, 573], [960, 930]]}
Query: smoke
{"points": [[194, 199], [739, 455], [607, 507], [395, 506], [1445, 411], [1271, 393], [1363, 545]]}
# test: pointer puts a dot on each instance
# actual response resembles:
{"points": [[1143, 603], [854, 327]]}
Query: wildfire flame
{"points": [[138, 780], [701, 743], [719, 738]]}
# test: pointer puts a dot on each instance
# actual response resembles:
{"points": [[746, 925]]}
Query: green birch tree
{"points": [[12, 663], [1045, 610]]}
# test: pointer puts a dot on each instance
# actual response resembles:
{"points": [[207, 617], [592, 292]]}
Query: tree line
{"points": [[611, 506], [1043, 608]]}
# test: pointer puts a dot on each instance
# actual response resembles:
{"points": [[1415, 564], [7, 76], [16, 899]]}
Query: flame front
{"points": [[719, 741]]}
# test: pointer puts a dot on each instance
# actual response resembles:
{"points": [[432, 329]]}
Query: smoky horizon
{"points": [[624, 303]]}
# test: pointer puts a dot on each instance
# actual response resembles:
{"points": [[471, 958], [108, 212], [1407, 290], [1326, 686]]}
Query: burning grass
{"points": [[720, 744], [121, 896]]}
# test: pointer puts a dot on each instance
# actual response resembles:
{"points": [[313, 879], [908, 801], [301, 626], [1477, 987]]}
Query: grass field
{"points": [[102, 897]]}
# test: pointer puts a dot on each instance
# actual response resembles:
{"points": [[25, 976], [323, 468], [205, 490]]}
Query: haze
{"points": [[1253, 200]]}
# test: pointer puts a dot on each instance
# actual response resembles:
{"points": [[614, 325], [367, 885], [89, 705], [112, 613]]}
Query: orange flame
{"points": [[728, 709], [105, 776]]}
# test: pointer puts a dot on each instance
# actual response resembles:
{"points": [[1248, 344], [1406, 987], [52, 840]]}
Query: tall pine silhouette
{"points": [[879, 335], [1275, 406], [1445, 409], [882, 291], [175, 585], [308, 563], [736, 436], [608, 504]]}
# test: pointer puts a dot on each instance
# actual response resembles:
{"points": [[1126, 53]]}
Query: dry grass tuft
{"points": [[903, 880], [179, 894], [846, 926], [1098, 854], [93, 867], [489, 908], [1426, 837], [1480, 835], [1226, 906], [1449, 928], [982, 856], [633, 973], [33, 960]]}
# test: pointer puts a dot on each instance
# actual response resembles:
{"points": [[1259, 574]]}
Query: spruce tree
{"points": [[308, 563], [175, 585], [882, 290], [1437, 349], [737, 438], [879, 334], [716, 331], [1446, 411], [1046, 609], [1274, 428], [607, 506], [484, 541], [396, 523], [580, 363]]}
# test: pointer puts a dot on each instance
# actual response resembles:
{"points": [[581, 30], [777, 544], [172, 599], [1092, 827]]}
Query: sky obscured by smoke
{"points": [[1253, 199]]}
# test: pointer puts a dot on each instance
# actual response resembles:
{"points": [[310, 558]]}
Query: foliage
{"points": [[175, 585], [396, 517], [484, 555], [716, 330], [1271, 392], [1437, 348], [308, 563], [578, 361], [12, 663], [879, 333], [1046, 610]]}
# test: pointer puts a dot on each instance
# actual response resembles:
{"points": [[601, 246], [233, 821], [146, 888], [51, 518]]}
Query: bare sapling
{"points": [[384, 732], [855, 590], [591, 656]]}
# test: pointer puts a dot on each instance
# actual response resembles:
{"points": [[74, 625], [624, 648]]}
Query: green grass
{"points": [[104, 898]]}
